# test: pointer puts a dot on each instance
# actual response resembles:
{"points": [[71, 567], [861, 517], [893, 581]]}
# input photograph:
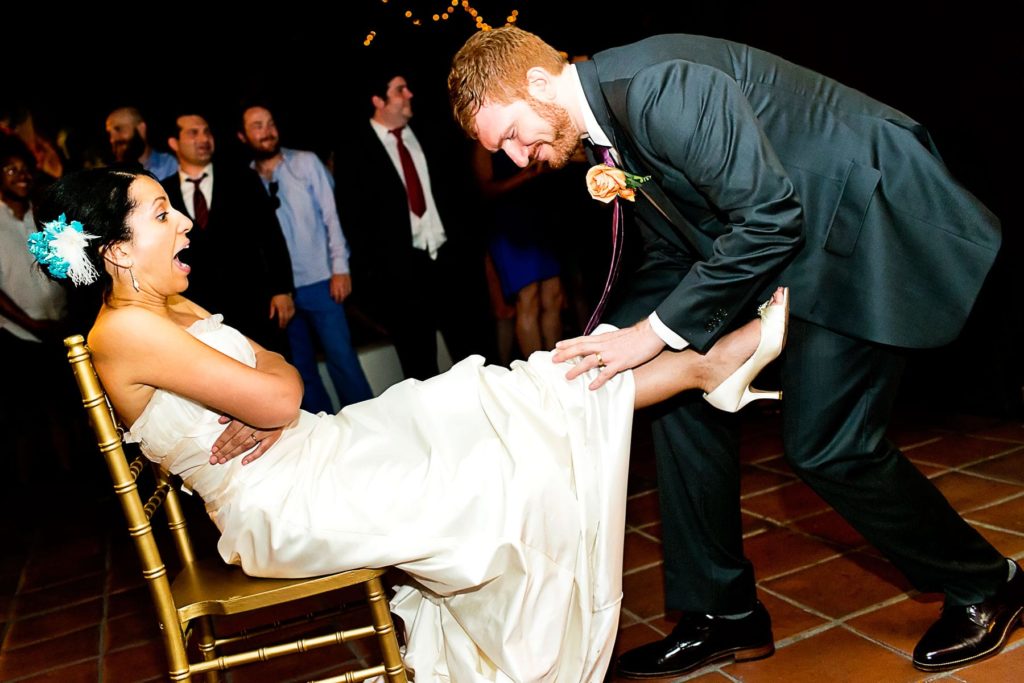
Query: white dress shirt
{"points": [[188, 190], [20, 277], [427, 230]]}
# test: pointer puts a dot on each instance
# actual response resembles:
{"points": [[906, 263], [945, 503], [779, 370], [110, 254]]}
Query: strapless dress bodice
{"points": [[177, 433]]}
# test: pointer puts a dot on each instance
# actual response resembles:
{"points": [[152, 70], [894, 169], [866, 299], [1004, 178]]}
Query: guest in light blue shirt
{"points": [[302, 191], [161, 164]]}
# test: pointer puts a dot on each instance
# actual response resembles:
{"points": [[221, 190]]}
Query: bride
{"points": [[506, 487]]}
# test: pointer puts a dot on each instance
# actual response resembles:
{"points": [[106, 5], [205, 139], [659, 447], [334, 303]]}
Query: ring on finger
{"points": [[600, 361], [253, 437]]}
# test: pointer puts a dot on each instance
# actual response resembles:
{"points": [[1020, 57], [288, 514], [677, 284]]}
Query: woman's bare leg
{"points": [[551, 301], [671, 372], [528, 332]]}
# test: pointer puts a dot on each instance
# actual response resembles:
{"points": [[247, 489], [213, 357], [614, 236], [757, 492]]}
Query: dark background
{"points": [[955, 67]]}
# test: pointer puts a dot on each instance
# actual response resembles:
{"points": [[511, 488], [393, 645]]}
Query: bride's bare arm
{"points": [[136, 351]]}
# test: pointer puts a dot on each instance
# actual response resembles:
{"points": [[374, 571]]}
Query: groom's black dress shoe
{"points": [[698, 640], [967, 633]]}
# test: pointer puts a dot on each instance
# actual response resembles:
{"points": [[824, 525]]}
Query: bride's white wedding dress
{"points": [[500, 492]]}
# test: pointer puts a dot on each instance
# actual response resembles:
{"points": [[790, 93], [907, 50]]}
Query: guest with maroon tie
{"points": [[240, 258], [417, 258]]}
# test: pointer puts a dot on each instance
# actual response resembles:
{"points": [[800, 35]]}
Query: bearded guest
{"points": [[417, 253], [302, 193], [240, 258], [128, 143]]}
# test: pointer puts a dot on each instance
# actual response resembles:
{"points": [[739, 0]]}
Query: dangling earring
{"points": [[135, 283]]}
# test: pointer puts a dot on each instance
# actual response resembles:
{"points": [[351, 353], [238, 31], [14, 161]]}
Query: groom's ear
{"points": [[541, 84]]}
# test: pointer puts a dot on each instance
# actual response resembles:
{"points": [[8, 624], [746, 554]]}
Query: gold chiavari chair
{"points": [[205, 588]]}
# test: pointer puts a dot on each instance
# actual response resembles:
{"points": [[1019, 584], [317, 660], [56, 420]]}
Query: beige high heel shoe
{"points": [[736, 392]]}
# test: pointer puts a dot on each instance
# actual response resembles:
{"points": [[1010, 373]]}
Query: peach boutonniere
{"points": [[605, 183]]}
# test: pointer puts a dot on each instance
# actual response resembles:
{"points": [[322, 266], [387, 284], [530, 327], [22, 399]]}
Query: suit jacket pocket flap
{"points": [[858, 188]]}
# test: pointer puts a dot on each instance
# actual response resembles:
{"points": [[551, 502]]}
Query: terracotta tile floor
{"points": [[73, 607]]}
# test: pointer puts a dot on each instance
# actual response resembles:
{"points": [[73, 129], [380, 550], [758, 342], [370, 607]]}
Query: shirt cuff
{"points": [[339, 266], [671, 339]]}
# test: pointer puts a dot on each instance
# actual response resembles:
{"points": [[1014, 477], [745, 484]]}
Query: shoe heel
{"points": [[752, 394], [750, 654]]}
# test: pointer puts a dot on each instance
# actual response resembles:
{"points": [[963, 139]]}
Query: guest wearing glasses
{"points": [[245, 271], [302, 194], [32, 308]]}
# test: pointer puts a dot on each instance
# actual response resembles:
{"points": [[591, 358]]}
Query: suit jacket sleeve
{"points": [[705, 137]]}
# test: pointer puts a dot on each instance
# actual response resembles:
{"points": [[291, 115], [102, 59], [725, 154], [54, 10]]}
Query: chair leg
{"points": [[385, 628], [204, 629], [177, 657]]}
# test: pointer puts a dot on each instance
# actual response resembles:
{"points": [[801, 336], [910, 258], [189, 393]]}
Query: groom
{"points": [[763, 173]]}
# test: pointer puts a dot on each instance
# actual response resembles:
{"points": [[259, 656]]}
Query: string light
{"points": [[449, 10]]}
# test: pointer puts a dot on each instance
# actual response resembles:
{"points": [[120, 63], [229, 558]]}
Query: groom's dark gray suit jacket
{"points": [[766, 173]]}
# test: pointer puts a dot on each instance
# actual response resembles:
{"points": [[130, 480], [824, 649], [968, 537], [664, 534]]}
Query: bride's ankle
{"points": [[728, 354]]}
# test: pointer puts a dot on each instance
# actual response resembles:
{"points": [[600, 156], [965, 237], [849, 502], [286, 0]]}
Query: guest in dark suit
{"points": [[765, 173], [420, 269], [239, 259]]}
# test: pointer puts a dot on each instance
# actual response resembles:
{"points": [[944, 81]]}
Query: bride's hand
{"points": [[237, 438]]}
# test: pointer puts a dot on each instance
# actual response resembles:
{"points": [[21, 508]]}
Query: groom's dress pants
{"points": [[838, 395]]}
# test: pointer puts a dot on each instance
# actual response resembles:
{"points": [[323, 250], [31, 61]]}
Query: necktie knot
{"points": [[605, 154], [197, 180]]}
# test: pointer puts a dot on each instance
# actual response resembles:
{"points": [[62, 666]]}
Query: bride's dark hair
{"points": [[97, 198]]}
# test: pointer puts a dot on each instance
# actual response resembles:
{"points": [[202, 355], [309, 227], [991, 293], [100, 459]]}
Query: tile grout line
{"points": [[969, 463], [643, 567], [1001, 529], [649, 537], [997, 502], [999, 439]]}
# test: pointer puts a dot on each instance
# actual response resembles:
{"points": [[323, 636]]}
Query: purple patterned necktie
{"points": [[613, 272]]}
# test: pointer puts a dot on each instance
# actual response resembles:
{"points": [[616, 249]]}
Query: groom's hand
{"points": [[613, 352], [238, 438]]}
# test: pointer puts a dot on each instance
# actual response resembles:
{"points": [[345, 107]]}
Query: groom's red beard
{"points": [[567, 135]]}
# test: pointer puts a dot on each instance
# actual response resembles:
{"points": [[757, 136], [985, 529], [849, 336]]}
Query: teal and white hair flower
{"points": [[60, 247]]}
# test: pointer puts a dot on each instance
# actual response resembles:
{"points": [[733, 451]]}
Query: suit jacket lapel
{"points": [[601, 98], [217, 196], [174, 195]]}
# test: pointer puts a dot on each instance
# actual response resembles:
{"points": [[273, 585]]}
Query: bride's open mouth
{"points": [[181, 265]]}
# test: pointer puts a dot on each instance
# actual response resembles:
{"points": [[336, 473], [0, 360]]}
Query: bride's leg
{"points": [[672, 372]]}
